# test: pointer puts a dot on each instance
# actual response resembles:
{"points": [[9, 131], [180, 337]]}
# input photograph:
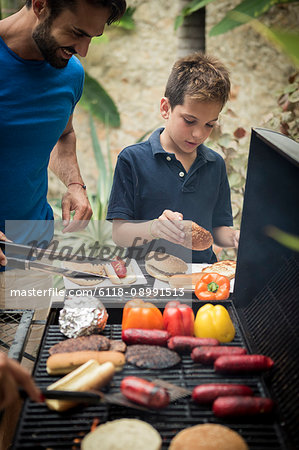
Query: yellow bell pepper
{"points": [[214, 322]]}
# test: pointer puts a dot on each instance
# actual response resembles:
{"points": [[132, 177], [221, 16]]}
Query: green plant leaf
{"points": [[193, 6], [97, 150], [286, 239], [127, 22], [243, 13], [96, 100], [288, 42]]}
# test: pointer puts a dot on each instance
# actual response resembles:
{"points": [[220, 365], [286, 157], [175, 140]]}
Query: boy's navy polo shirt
{"points": [[148, 180]]}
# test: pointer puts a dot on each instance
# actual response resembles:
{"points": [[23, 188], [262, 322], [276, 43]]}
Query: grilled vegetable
{"points": [[207, 393], [139, 314], [178, 319], [142, 336], [144, 392], [185, 344], [214, 322], [207, 355], [212, 286], [242, 363], [241, 406], [119, 267]]}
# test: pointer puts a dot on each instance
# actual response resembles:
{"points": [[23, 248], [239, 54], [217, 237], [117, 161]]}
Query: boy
{"points": [[173, 175]]}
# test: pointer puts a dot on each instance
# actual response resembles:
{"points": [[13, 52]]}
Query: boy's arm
{"points": [[127, 233], [226, 237]]}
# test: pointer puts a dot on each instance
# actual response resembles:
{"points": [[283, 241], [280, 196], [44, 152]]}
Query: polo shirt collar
{"points": [[203, 152]]}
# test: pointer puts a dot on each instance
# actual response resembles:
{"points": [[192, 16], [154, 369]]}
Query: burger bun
{"points": [[163, 266]]}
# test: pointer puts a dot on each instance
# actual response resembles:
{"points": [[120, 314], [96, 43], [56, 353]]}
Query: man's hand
{"points": [[75, 199], [12, 375], [169, 226]]}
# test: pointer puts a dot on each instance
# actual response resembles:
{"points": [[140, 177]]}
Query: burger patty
{"points": [[118, 346], [151, 357], [162, 272], [92, 342]]}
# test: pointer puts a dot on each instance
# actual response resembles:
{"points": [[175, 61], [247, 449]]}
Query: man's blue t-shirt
{"points": [[148, 180], [36, 102]]}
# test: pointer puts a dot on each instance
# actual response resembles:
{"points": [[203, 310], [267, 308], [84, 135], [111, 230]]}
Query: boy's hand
{"points": [[169, 226]]}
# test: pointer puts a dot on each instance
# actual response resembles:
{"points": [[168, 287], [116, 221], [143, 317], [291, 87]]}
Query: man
{"points": [[40, 84]]}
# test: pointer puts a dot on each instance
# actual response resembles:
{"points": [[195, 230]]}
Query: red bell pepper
{"points": [[178, 319]]}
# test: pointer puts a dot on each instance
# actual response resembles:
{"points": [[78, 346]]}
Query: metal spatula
{"points": [[175, 392]]}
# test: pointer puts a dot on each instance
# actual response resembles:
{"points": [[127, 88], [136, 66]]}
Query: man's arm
{"points": [[226, 237], [64, 163]]}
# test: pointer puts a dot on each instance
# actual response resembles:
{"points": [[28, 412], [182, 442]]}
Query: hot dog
{"points": [[62, 363], [207, 393], [142, 336], [185, 344], [207, 355], [120, 272], [238, 405], [120, 268], [144, 392], [242, 363]]}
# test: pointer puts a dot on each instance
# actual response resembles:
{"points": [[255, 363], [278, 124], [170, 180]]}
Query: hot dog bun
{"points": [[90, 375], [196, 237], [128, 279], [208, 437], [162, 265], [186, 280], [224, 267], [62, 363]]}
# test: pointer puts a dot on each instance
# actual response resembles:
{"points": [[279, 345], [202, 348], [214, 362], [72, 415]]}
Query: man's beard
{"points": [[48, 45]]}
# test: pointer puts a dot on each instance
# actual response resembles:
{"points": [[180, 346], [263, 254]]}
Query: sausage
{"points": [[147, 337], [242, 363], [207, 393], [144, 392], [119, 267], [185, 344], [238, 405], [207, 355]]}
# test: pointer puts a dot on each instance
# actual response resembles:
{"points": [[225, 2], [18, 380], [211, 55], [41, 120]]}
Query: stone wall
{"points": [[134, 66]]}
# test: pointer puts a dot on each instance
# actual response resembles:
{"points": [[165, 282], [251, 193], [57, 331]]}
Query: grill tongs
{"points": [[29, 264], [98, 397]]}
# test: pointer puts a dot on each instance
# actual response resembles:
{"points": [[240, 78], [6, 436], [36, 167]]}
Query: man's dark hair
{"points": [[117, 7]]}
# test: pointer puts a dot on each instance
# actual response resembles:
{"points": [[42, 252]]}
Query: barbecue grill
{"points": [[264, 315]]}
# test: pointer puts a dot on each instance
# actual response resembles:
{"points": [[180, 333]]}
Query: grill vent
{"points": [[271, 321]]}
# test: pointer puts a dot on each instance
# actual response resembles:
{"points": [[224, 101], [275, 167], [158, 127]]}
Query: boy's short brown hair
{"points": [[199, 76]]}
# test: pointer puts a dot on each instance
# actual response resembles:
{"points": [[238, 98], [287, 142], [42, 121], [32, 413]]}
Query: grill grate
{"points": [[272, 321], [40, 428]]}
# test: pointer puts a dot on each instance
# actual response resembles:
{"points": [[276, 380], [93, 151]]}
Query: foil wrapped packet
{"points": [[82, 316]]}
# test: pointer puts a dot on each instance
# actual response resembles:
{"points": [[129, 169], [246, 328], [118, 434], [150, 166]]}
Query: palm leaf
{"points": [[96, 100], [243, 13]]}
